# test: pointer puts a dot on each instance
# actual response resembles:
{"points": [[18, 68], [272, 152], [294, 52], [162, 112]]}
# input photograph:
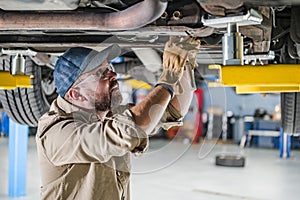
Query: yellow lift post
{"points": [[260, 79], [250, 78], [9, 82], [16, 77]]}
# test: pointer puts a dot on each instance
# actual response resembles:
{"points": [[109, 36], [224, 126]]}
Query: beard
{"points": [[103, 103], [108, 101], [115, 98]]}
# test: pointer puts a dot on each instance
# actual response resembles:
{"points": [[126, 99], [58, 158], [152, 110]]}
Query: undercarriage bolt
{"points": [[164, 15], [177, 15]]}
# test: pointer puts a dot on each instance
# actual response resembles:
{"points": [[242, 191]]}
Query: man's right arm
{"points": [[70, 140], [148, 113]]}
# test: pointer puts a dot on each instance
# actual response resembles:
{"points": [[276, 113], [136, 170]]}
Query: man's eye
{"points": [[104, 77], [99, 72]]}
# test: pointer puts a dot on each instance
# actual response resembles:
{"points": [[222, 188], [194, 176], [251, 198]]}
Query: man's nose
{"points": [[111, 74]]}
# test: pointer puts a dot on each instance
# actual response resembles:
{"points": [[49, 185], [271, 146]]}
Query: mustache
{"points": [[114, 83]]}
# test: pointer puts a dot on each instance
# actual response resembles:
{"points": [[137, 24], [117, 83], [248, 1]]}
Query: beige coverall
{"points": [[82, 157]]}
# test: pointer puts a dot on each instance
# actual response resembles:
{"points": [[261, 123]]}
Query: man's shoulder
{"points": [[53, 116]]}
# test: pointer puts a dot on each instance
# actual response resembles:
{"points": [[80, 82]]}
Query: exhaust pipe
{"points": [[131, 18]]}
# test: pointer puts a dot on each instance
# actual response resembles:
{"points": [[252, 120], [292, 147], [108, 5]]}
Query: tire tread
{"points": [[24, 105]]}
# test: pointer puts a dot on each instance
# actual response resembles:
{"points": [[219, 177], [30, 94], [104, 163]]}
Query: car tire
{"points": [[290, 111], [230, 160], [26, 105]]}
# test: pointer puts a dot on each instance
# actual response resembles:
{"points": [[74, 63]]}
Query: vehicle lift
{"points": [[9, 80], [18, 133], [269, 78], [250, 78]]}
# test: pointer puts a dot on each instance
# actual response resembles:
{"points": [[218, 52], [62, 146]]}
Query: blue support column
{"points": [[5, 123], [285, 144], [17, 159], [248, 125]]}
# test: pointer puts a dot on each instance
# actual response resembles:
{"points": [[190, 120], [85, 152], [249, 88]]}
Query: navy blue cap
{"points": [[79, 60]]}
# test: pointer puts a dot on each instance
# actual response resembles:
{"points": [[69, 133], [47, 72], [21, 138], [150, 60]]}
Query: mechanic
{"points": [[85, 140]]}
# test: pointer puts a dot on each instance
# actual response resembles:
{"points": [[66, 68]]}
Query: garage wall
{"points": [[240, 105]]}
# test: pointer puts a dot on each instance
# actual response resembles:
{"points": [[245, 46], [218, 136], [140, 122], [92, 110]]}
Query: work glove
{"points": [[174, 58], [176, 52]]}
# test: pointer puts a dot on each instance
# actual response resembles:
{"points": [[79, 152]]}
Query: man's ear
{"points": [[74, 94]]}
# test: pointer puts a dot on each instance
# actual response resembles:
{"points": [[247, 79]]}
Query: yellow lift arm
{"points": [[260, 79], [9, 82]]}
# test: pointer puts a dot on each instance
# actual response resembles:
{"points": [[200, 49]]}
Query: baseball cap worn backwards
{"points": [[79, 60]]}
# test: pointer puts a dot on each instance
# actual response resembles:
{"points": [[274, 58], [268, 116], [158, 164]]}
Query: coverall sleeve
{"points": [[72, 141], [170, 118]]}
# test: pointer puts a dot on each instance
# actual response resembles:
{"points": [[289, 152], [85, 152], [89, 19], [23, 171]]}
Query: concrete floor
{"points": [[175, 170]]}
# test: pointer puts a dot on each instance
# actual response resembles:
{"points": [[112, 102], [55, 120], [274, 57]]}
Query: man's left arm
{"points": [[178, 106], [181, 102]]}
